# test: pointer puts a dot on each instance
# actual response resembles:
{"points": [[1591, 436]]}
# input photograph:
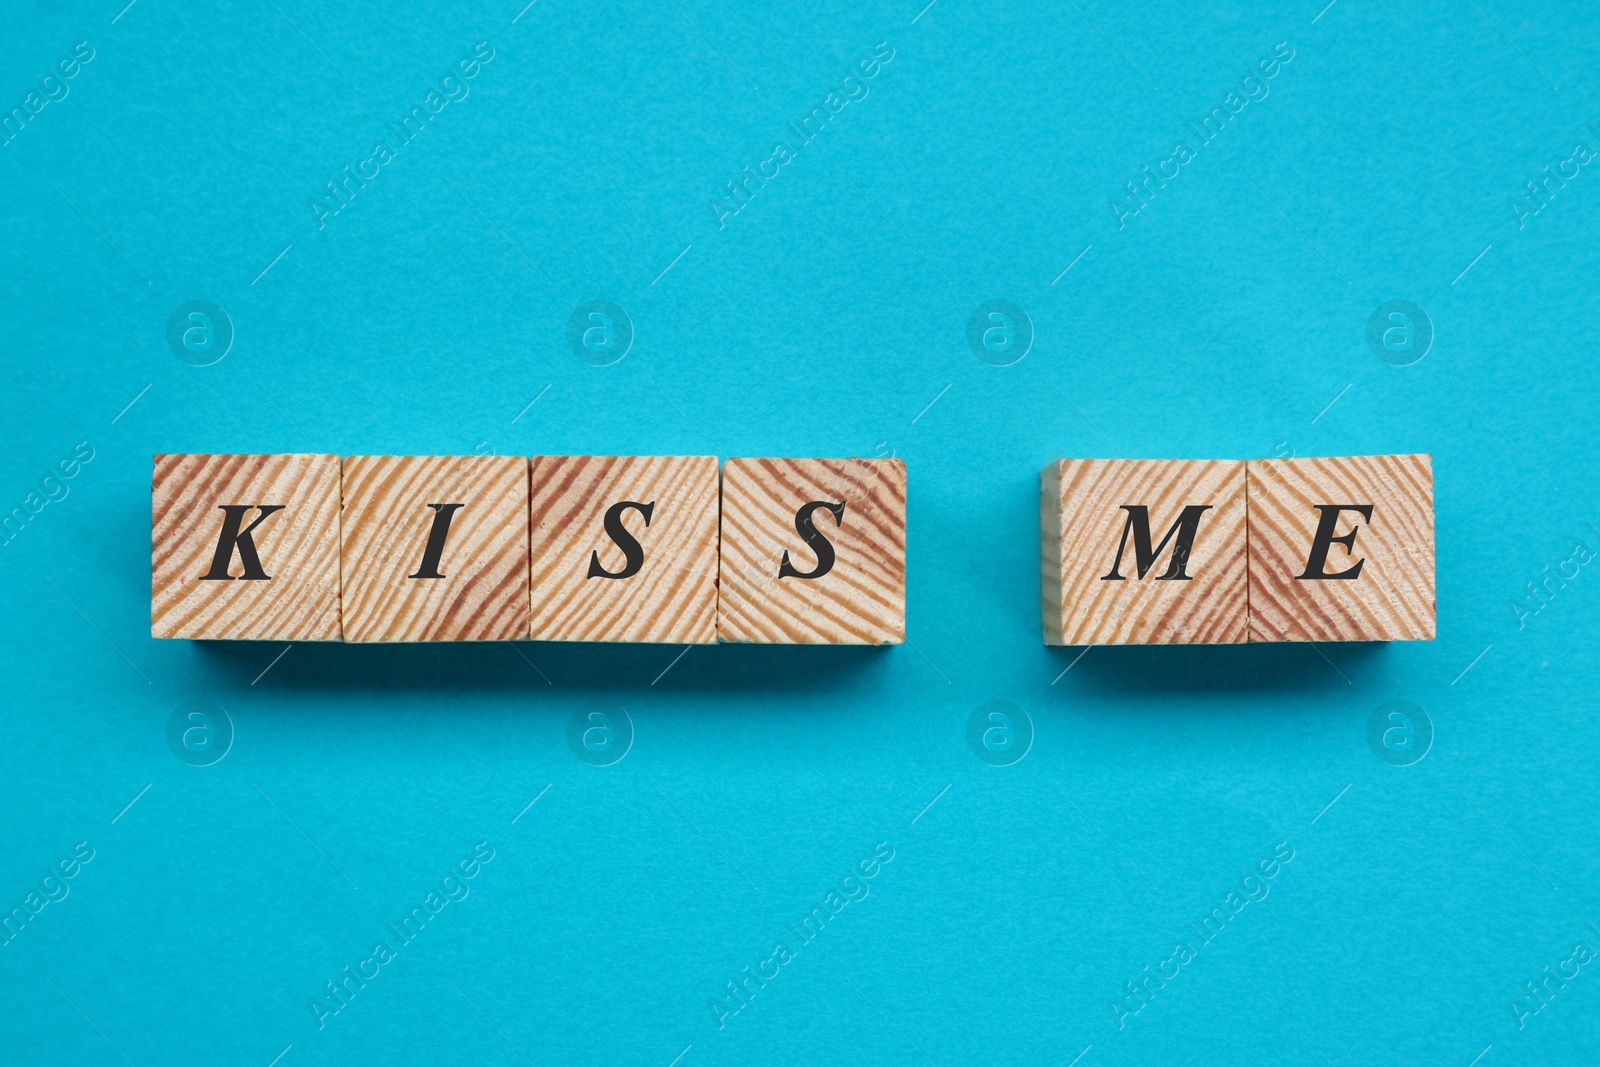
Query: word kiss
{"points": [[556, 548]]}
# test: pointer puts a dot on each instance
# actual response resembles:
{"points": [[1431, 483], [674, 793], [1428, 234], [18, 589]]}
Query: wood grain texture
{"points": [[298, 548], [1083, 522], [1392, 598], [860, 600], [672, 597], [483, 592]]}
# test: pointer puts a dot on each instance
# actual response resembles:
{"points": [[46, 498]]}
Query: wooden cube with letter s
{"points": [[813, 551], [624, 548]]}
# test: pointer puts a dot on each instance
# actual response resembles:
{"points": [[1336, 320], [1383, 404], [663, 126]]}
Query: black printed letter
{"points": [[442, 514], [1143, 557], [1317, 561], [806, 528], [631, 552], [233, 514]]}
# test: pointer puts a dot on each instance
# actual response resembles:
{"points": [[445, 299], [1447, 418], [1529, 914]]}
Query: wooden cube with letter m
{"points": [[1143, 551]]}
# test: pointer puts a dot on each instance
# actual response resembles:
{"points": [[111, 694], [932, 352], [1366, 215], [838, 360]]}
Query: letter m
{"points": [[244, 540], [1180, 533], [21, 118], [421, 118], [417, 915], [21, 918], [1220, 916], [820, 916], [818, 114], [18, 515]]}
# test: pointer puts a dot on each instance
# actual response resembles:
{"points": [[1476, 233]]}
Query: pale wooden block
{"points": [[1363, 572], [417, 568], [652, 581], [1105, 517], [245, 547], [843, 582]]}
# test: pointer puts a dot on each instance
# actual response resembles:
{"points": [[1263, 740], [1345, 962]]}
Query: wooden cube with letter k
{"points": [[245, 547], [1144, 551]]}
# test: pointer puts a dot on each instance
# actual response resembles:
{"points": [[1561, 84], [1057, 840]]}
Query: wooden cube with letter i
{"points": [[1341, 549], [245, 547], [1143, 551], [435, 548], [813, 552], [624, 548]]}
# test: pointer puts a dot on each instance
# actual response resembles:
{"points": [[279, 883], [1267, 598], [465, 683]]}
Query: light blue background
{"points": [[822, 320]]}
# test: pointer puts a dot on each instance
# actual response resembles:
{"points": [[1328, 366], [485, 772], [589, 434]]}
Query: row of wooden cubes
{"points": [[553, 548], [1221, 551]]}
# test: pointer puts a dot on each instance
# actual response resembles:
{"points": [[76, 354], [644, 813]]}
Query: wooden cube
{"points": [[435, 548], [245, 547], [1341, 549], [1144, 551], [624, 548], [813, 552]]}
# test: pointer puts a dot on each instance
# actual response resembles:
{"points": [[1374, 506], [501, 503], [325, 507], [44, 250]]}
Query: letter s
{"points": [[632, 553], [820, 545], [83, 51]]}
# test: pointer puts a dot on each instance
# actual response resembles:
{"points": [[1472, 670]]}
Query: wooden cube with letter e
{"points": [[1341, 549], [813, 551], [624, 548], [1144, 551], [245, 547], [435, 548]]}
